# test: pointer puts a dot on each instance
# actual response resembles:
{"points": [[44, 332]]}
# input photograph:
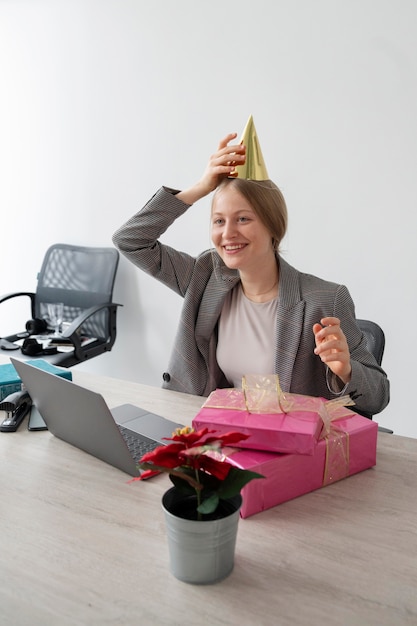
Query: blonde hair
{"points": [[266, 200]]}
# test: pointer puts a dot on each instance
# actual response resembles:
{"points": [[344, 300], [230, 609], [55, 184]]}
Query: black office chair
{"points": [[375, 339], [82, 278]]}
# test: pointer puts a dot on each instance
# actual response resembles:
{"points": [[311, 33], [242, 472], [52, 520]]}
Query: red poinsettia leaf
{"points": [[164, 456], [226, 439], [190, 439], [147, 474], [219, 469]]}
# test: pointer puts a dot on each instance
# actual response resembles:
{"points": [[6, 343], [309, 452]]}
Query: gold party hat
{"points": [[254, 168]]}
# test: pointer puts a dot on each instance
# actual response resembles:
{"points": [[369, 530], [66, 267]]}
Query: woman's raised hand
{"points": [[221, 165]]}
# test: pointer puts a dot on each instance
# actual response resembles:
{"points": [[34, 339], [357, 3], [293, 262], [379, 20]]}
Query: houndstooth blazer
{"points": [[204, 282]]}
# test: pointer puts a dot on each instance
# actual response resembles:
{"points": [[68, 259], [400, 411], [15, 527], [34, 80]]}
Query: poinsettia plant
{"points": [[196, 466]]}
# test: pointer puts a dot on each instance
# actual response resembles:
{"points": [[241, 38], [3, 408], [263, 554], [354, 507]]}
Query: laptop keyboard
{"points": [[138, 444]]}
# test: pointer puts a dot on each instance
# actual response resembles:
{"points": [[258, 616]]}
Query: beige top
{"points": [[246, 336]]}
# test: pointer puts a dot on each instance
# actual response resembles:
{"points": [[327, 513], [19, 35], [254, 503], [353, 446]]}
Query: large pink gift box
{"points": [[295, 431], [288, 476]]}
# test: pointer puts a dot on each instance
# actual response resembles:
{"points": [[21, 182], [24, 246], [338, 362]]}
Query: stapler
{"points": [[17, 405]]}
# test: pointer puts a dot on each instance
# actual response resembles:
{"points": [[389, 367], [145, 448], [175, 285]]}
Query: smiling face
{"points": [[240, 238]]}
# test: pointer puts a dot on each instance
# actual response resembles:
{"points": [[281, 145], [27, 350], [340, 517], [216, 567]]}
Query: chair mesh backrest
{"points": [[375, 338], [80, 277]]}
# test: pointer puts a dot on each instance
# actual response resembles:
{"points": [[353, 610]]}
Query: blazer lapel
{"points": [[290, 321]]}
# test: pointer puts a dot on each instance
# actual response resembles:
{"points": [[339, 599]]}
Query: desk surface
{"points": [[82, 545]]}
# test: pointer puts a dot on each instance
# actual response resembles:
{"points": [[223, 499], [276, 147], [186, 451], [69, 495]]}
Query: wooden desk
{"points": [[82, 545]]}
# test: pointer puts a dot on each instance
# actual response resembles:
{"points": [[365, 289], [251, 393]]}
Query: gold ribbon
{"points": [[336, 465]]}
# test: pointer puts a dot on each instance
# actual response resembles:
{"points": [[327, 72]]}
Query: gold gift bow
{"points": [[336, 465], [263, 388], [261, 394], [264, 394]]}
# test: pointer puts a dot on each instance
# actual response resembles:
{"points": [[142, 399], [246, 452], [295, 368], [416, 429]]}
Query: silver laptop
{"points": [[82, 418]]}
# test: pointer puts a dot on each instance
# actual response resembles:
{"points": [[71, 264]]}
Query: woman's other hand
{"points": [[332, 347]]}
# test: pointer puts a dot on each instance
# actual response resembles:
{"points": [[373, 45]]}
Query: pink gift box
{"points": [[296, 431], [288, 476]]}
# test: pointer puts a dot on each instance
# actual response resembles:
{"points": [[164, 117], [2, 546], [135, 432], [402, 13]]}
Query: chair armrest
{"points": [[73, 328], [72, 334], [16, 294]]}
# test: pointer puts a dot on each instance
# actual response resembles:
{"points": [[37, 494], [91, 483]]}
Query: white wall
{"points": [[102, 101]]}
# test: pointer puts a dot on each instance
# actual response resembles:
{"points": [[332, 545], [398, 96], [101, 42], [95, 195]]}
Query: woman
{"points": [[247, 311]]}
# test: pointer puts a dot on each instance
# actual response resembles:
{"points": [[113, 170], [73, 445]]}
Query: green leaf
{"points": [[182, 485], [235, 481], [209, 504], [210, 483]]}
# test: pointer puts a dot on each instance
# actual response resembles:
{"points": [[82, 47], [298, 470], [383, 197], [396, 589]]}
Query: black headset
{"points": [[36, 326], [32, 347]]}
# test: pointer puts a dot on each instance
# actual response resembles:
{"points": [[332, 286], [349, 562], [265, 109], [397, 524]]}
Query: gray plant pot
{"points": [[200, 552]]}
